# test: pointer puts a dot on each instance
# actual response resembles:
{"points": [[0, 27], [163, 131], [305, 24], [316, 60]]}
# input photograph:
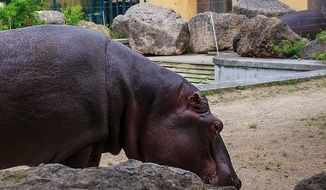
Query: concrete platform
{"points": [[198, 59], [309, 68], [285, 64]]}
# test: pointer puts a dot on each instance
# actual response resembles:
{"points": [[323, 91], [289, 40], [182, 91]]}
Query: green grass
{"points": [[321, 56], [321, 36], [253, 126], [288, 48]]}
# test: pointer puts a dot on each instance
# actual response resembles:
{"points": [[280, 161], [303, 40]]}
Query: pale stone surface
{"points": [[270, 8], [201, 31], [155, 30], [51, 17]]}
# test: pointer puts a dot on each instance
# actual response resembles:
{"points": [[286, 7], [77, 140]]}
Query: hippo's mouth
{"points": [[217, 173]]}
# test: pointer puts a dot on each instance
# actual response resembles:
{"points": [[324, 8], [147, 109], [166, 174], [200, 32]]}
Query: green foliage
{"points": [[319, 56], [20, 13], [73, 15], [321, 36], [288, 48]]}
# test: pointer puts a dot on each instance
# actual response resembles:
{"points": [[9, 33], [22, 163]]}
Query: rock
{"points": [[96, 27], [311, 48], [201, 31], [120, 27], [127, 175], [157, 31], [270, 8], [316, 182], [258, 33], [51, 17], [2, 5]]}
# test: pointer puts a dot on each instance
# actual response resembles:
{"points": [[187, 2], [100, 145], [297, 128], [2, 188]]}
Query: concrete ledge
{"points": [[283, 64], [256, 81], [197, 59]]}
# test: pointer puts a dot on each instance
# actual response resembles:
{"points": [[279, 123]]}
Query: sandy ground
{"points": [[276, 134]]}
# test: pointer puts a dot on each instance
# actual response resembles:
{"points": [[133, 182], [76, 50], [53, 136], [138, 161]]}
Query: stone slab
{"points": [[287, 64], [256, 81]]}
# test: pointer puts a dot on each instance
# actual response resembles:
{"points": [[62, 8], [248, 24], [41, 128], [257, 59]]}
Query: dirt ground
{"points": [[275, 134]]}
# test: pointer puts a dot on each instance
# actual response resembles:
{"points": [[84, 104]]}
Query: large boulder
{"points": [[155, 30], [312, 48], [316, 182], [120, 27], [201, 31], [51, 17], [270, 8], [257, 34], [96, 27], [127, 175]]}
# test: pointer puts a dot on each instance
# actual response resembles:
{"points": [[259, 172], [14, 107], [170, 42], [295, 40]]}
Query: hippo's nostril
{"points": [[218, 125], [237, 183]]}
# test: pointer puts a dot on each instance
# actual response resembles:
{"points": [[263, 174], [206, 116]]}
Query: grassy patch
{"points": [[253, 126], [321, 36], [240, 87], [321, 56], [288, 48]]}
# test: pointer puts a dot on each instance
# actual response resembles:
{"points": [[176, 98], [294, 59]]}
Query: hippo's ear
{"points": [[198, 103], [195, 98]]}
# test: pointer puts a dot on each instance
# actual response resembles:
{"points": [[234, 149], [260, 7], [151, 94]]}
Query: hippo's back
{"points": [[52, 92]]}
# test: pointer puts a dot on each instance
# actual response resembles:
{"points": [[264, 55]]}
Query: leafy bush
{"points": [[73, 15], [20, 13], [288, 48], [321, 36], [319, 56]]}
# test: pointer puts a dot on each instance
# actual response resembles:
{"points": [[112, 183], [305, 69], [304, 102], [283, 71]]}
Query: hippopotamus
{"points": [[306, 23], [68, 94]]}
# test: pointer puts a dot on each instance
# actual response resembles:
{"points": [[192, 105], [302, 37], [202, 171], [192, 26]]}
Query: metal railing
{"points": [[99, 11]]}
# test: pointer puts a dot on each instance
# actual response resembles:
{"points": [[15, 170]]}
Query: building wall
{"points": [[187, 8], [298, 5]]}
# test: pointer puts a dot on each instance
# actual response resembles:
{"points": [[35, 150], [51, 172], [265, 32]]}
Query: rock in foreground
{"points": [[127, 175], [201, 31], [257, 34], [316, 182], [270, 8]]}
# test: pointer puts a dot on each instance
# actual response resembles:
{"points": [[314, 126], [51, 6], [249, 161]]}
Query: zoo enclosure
{"points": [[98, 11]]}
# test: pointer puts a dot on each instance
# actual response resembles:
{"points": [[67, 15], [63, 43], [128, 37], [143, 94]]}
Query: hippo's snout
{"points": [[236, 182]]}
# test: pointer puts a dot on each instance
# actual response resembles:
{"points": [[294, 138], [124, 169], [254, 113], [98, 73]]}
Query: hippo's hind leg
{"points": [[79, 159]]}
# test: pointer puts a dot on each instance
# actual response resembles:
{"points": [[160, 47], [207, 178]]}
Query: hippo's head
{"points": [[186, 134]]}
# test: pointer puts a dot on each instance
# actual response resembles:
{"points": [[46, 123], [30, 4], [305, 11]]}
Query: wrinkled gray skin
{"points": [[68, 94]]}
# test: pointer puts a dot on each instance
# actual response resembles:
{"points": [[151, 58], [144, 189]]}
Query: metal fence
{"points": [[98, 11]]}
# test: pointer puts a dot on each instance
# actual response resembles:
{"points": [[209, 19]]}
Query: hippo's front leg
{"points": [[79, 159], [94, 160]]}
